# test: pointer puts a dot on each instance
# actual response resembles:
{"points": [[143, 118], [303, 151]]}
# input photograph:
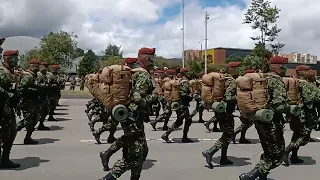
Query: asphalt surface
{"points": [[68, 152]]}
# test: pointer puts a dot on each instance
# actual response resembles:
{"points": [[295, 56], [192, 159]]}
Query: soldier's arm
{"points": [[141, 84], [184, 88], [278, 91], [231, 89], [25, 83], [306, 94], [2, 90]]}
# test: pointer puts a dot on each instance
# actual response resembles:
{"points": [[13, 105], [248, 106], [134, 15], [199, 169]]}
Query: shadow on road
{"points": [[161, 129], [61, 109], [253, 141], [42, 141], [307, 161], [61, 114], [27, 163], [237, 161], [63, 105], [149, 163], [56, 128], [63, 119]]}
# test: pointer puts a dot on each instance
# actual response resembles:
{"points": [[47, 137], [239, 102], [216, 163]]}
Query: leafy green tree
{"points": [[24, 59], [78, 53], [160, 62], [89, 64], [111, 61], [112, 51], [250, 62], [263, 17], [233, 58], [195, 66], [58, 47]]}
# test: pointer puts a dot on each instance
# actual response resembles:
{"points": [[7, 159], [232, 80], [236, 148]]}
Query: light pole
{"points": [[182, 33], [200, 50], [206, 42]]}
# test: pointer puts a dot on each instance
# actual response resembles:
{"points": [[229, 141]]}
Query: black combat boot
{"points": [[6, 163], [185, 138], [207, 125], [108, 177], [165, 136], [111, 139], [208, 155], [42, 127], [243, 139], [224, 158], [200, 117], [252, 175], [28, 139], [294, 157], [97, 134], [287, 151], [105, 157], [215, 127], [165, 124]]}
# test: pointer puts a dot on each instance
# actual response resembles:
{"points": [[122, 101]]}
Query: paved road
{"points": [[68, 152]]}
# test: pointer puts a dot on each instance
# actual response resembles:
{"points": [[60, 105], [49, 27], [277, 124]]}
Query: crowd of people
{"points": [[128, 95], [32, 94]]}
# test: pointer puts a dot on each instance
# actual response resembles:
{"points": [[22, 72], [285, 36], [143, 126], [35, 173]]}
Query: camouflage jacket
{"points": [[53, 82], [231, 89], [277, 90], [142, 84], [28, 86], [184, 87], [6, 83], [42, 82], [307, 94]]}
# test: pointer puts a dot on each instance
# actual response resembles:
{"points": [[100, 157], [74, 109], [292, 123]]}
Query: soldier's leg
{"points": [[215, 127], [120, 167], [31, 118], [111, 126], [188, 121], [173, 127], [157, 109], [7, 146], [243, 128], [106, 155], [201, 109], [165, 115], [272, 142], [43, 112], [227, 135], [211, 120], [53, 105], [207, 154]]}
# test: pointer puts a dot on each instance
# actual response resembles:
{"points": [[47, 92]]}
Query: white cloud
{"points": [[132, 24]]}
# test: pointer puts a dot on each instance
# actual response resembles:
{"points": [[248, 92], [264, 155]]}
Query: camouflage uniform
{"points": [[8, 101], [199, 106], [182, 112], [246, 123], [54, 92], [303, 125], [167, 112], [44, 98], [82, 84], [133, 142], [271, 133], [73, 83], [29, 91], [226, 121]]}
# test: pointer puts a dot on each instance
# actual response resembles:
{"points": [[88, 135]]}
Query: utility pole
{"points": [[206, 42], [200, 50], [183, 64]]}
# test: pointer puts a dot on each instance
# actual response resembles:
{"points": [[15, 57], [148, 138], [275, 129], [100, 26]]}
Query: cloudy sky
{"points": [[157, 23]]}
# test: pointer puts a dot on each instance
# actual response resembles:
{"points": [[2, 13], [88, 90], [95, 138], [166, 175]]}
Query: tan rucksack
{"points": [[90, 80], [195, 86], [213, 87], [171, 91], [292, 86], [252, 92], [159, 83], [115, 87]]}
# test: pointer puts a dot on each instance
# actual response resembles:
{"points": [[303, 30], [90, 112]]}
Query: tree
{"points": [[160, 62], [58, 47], [78, 53], [263, 17], [250, 62], [195, 66], [89, 64], [233, 58], [112, 51], [34, 53], [111, 61]]}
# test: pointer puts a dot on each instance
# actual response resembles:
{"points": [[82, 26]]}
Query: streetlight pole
{"points": [[200, 50], [183, 33], [206, 42]]}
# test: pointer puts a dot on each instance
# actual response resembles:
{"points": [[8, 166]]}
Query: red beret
{"points": [[34, 61], [248, 71], [170, 71], [130, 60], [303, 68], [159, 71], [44, 63], [149, 51], [11, 53], [2, 41], [278, 60], [184, 70], [312, 73], [234, 64], [54, 66], [201, 74]]}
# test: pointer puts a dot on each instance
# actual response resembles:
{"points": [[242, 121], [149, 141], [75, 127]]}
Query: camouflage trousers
{"points": [[199, 108], [272, 142], [53, 102], [8, 133], [167, 112], [43, 108], [182, 114], [302, 127], [226, 122], [245, 125], [135, 152], [109, 125], [30, 111]]}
